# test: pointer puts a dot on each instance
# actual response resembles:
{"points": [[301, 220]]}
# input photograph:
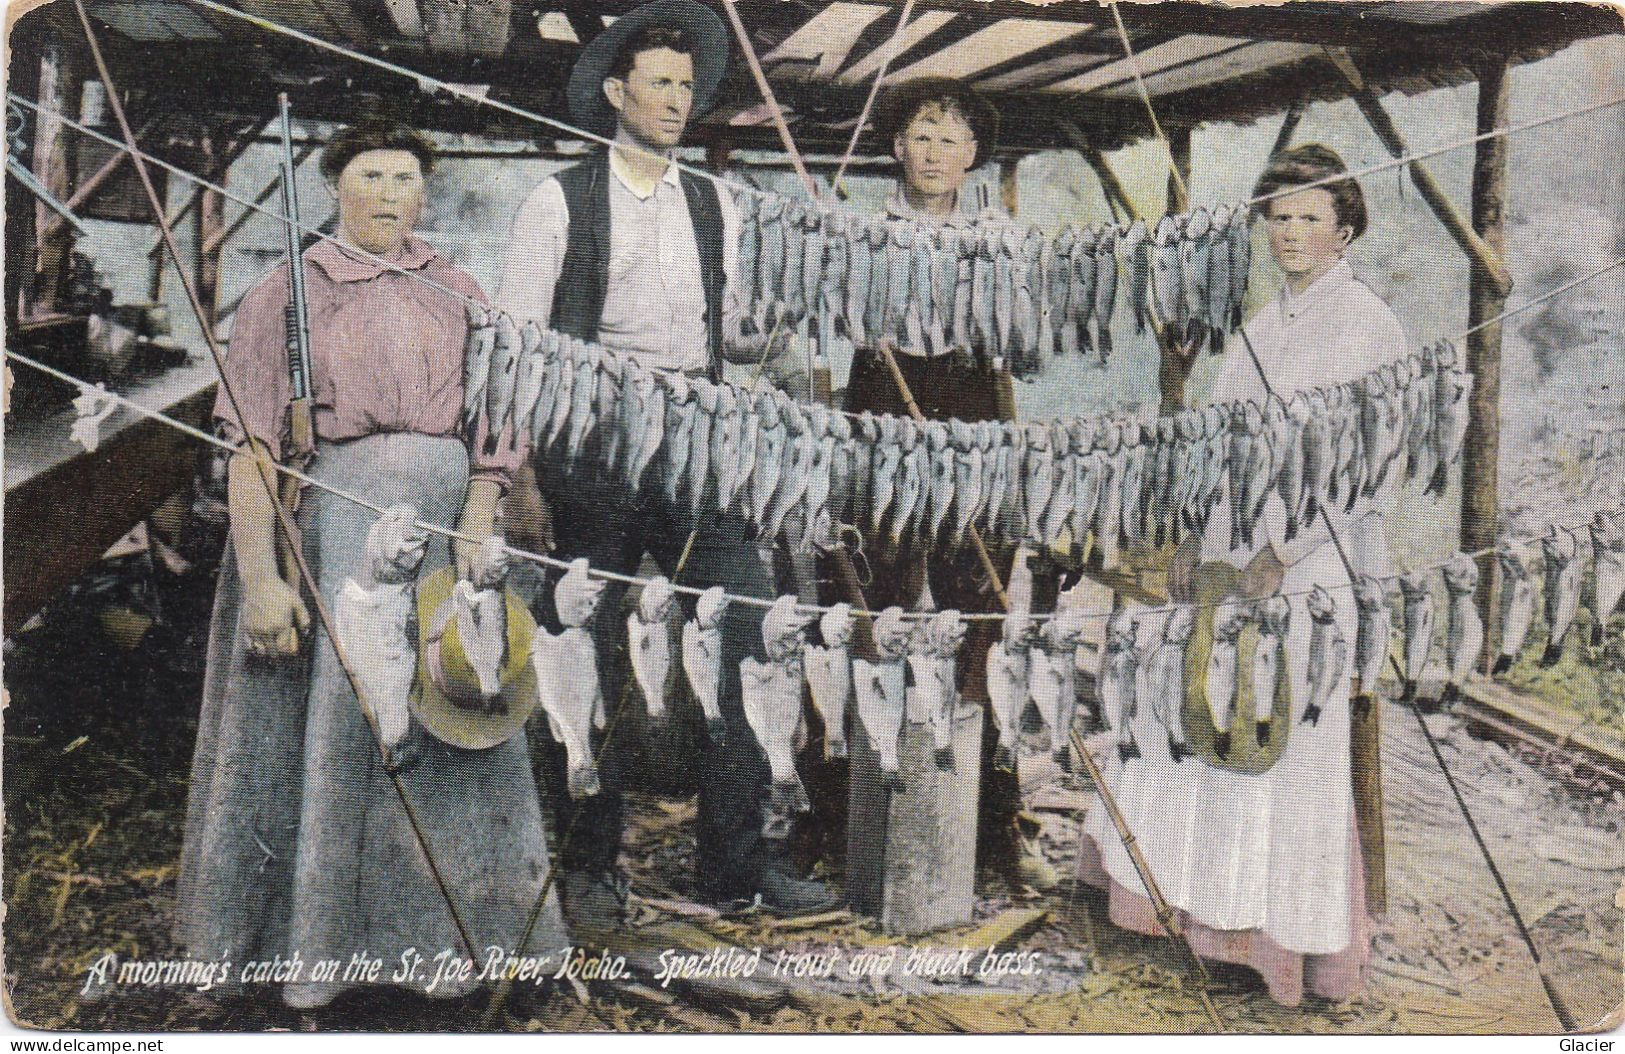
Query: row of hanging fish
{"points": [[798, 470], [996, 289]]}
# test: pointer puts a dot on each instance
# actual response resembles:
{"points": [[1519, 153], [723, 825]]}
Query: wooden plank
{"points": [[1152, 59], [1005, 929], [404, 13], [1227, 64], [489, 26], [925, 23], [1050, 70], [990, 46], [443, 20], [827, 38], [52, 532]]}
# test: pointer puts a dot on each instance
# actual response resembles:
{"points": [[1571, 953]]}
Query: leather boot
{"points": [[782, 891], [594, 904]]}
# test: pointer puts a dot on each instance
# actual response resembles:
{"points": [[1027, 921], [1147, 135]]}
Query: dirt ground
{"points": [[98, 746]]}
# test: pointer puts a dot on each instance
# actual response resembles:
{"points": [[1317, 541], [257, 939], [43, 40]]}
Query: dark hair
{"points": [[1312, 163], [374, 133], [901, 104], [649, 38]]}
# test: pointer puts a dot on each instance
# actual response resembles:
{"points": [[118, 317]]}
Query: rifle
{"points": [[302, 445]]}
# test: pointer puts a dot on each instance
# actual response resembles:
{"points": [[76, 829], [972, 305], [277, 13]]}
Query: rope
{"points": [[1145, 97], [892, 45]]}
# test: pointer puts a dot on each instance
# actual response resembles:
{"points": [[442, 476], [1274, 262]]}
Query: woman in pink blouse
{"points": [[297, 845]]}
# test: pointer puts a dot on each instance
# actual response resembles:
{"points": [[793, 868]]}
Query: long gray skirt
{"points": [[297, 844]]}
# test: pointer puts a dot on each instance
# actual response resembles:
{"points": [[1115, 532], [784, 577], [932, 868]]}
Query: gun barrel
{"points": [[298, 316]]}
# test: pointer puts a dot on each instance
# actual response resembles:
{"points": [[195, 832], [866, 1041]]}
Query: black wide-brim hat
{"points": [[588, 106]]}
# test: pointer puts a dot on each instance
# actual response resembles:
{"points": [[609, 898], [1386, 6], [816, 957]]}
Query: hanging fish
{"points": [[1452, 391], [583, 400], [477, 352], [1608, 550], [1241, 257], [920, 319], [1517, 606], [1105, 290], [770, 265], [567, 676], [1223, 668], [1245, 425], [1317, 458], [1418, 614], [1376, 630], [1038, 480], [1328, 654], [1165, 678], [564, 401], [1269, 661], [1217, 308], [611, 371], [858, 277], [1119, 673], [899, 278], [699, 442], [1420, 405], [528, 383], [881, 689], [652, 430], [914, 477], [1006, 668], [1004, 291], [1289, 480], [750, 242], [1059, 512], [1562, 590], [702, 658], [932, 699], [1464, 630], [875, 311], [1052, 680], [796, 476], [791, 292], [829, 676], [888, 460], [649, 642], [943, 458], [1167, 283], [1194, 254], [727, 428], [1136, 247], [1082, 298], [681, 409], [554, 370], [504, 372], [771, 439], [770, 695], [371, 616], [1057, 302]]}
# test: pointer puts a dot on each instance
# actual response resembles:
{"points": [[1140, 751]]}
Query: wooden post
{"points": [[59, 84], [1009, 192], [1116, 197], [1486, 298], [1283, 138], [211, 219]]}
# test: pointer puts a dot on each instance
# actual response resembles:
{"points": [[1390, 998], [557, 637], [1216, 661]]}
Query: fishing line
{"points": [[891, 47]]}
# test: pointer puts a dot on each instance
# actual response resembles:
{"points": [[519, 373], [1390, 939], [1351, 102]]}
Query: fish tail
{"points": [[1441, 476]]}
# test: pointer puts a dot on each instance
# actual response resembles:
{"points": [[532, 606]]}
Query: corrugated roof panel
{"points": [[1250, 59], [988, 47], [922, 26], [1174, 52]]}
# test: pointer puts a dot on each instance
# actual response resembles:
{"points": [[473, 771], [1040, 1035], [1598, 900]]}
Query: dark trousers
{"points": [[945, 387], [595, 517]]}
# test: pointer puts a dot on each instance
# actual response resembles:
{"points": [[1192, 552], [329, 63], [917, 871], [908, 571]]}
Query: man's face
{"points": [[936, 150], [380, 195], [1305, 237], [655, 98]]}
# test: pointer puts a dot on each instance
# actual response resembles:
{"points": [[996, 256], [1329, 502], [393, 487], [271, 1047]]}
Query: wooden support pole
{"points": [[260, 198], [1484, 256], [1116, 196], [211, 219], [92, 183], [1283, 138], [1486, 298], [58, 95]]}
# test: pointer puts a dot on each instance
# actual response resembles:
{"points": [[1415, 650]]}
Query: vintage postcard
{"points": [[960, 516]]}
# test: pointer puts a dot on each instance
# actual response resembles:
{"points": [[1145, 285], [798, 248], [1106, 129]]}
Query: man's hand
{"points": [[477, 523], [787, 371], [274, 617], [1182, 570], [527, 518]]}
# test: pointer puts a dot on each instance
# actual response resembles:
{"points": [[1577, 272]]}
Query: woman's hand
{"points": [[274, 616], [477, 523]]}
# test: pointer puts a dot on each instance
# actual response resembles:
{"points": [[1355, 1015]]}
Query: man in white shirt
{"points": [[630, 251]]}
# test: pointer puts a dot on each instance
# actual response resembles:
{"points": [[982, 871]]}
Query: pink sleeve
{"points": [[500, 465], [257, 367]]}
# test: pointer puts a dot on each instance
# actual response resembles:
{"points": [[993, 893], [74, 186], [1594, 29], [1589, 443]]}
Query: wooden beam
{"points": [[58, 96], [1482, 254], [1117, 198], [1179, 152], [94, 182], [1283, 138], [211, 220], [260, 198], [1486, 298]]}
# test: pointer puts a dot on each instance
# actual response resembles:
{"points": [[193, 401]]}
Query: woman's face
{"points": [[1305, 237], [380, 195], [936, 150]]}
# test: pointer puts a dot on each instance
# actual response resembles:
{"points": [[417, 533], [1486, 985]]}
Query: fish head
{"points": [[908, 434], [705, 393], [1322, 606], [1461, 574], [396, 544], [840, 427], [478, 316], [489, 569], [1106, 244], [1513, 564], [961, 434], [891, 633], [1121, 628], [945, 632], [1167, 231], [710, 606], [659, 596], [835, 626], [577, 594], [1181, 624], [1413, 585], [1199, 225], [1274, 615], [784, 628], [1065, 240], [676, 387], [1228, 620]]}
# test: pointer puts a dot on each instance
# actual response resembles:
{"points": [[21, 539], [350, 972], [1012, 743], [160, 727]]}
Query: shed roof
{"points": [[1037, 59]]}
